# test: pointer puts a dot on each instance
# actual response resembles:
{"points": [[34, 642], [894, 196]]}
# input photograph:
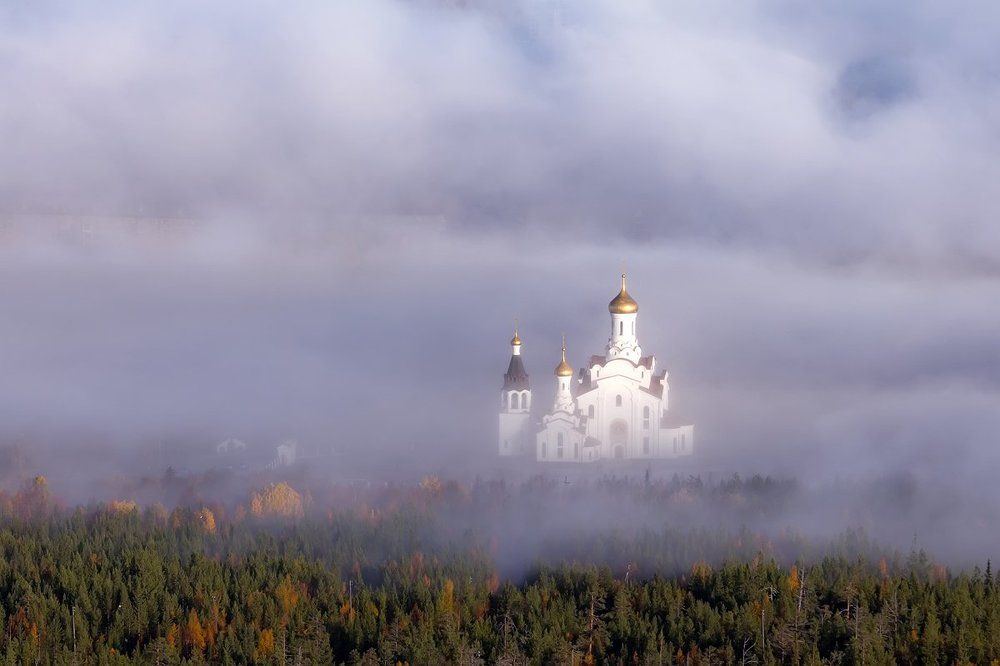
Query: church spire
{"points": [[564, 369]]}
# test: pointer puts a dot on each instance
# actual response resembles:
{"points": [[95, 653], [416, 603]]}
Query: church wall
{"points": [[513, 433], [677, 442], [548, 439]]}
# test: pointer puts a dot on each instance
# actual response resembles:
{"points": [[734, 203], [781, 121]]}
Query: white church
{"points": [[615, 408]]}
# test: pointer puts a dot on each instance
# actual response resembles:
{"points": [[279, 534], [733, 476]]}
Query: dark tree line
{"points": [[116, 584]]}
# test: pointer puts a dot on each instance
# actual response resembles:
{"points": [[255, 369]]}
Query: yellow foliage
{"points": [[122, 506], [277, 500], [288, 596], [206, 519], [431, 484], [701, 570], [447, 599], [265, 646], [159, 513], [33, 499]]}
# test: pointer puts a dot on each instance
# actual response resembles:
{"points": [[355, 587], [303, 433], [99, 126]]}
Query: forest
{"points": [[280, 578]]}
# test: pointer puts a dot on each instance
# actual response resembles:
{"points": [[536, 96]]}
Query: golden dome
{"points": [[516, 340], [564, 369], [623, 303]]}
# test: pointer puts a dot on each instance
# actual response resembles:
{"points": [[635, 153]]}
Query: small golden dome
{"points": [[516, 340], [623, 303], [564, 369]]}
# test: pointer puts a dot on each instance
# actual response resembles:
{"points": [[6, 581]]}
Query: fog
{"points": [[319, 222]]}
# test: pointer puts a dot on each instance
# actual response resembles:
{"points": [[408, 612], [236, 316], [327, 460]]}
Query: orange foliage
{"points": [[172, 635], [347, 612], [194, 635], [277, 500], [493, 583], [883, 568], [793, 580], [265, 646]]}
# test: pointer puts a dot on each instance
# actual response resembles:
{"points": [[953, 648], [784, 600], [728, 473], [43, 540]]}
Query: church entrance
{"points": [[619, 437]]}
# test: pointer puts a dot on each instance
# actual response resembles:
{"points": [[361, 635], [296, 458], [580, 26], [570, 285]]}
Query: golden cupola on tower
{"points": [[564, 369], [516, 340], [623, 303]]}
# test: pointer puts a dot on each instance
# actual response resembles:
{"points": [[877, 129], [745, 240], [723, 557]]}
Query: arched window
{"points": [[559, 445], [590, 411], [618, 401], [621, 328], [645, 417], [514, 401]]}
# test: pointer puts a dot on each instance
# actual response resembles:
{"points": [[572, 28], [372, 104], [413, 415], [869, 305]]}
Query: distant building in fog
{"points": [[615, 408], [231, 445], [287, 453]]}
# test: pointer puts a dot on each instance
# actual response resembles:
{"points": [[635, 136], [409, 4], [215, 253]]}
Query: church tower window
{"points": [[618, 401], [514, 401], [645, 417]]}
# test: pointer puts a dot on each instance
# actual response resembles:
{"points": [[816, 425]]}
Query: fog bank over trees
{"points": [[319, 222]]}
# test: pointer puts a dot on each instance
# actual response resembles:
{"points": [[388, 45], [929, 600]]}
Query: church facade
{"points": [[616, 407]]}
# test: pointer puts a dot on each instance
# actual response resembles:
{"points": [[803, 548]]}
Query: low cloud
{"points": [[257, 220]]}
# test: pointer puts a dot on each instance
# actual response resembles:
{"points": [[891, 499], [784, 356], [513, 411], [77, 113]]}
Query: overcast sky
{"points": [[804, 196]]}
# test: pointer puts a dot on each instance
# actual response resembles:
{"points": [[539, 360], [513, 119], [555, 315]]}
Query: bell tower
{"points": [[515, 402]]}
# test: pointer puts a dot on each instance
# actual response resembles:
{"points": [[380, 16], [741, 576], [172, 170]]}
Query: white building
{"points": [[616, 407], [287, 453]]}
